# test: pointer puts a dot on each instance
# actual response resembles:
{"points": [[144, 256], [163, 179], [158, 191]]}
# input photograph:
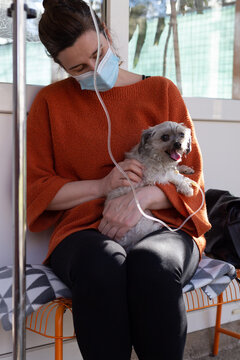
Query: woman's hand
{"points": [[121, 214], [115, 178]]}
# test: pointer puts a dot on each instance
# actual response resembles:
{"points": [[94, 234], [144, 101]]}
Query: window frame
{"points": [[200, 108]]}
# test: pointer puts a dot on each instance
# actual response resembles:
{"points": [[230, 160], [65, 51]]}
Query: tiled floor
{"points": [[199, 345]]}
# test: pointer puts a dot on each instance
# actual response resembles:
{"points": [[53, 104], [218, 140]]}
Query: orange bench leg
{"points": [[218, 325], [59, 332]]}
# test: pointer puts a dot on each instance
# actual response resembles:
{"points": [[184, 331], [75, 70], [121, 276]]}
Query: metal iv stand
{"points": [[19, 11]]}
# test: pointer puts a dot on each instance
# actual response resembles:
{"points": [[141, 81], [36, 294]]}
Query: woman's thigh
{"points": [[89, 250], [87, 254], [166, 252]]}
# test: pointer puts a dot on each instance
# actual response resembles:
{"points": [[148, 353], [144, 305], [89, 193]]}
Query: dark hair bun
{"points": [[49, 3], [72, 5], [62, 22]]}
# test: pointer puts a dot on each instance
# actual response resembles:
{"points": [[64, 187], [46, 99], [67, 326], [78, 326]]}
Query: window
{"points": [[37, 62], [40, 69], [191, 42]]}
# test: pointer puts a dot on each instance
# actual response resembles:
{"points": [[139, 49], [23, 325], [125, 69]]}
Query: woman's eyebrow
{"points": [[93, 54]]}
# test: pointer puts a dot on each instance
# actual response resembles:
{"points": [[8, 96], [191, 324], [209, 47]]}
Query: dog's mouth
{"points": [[174, 155]]}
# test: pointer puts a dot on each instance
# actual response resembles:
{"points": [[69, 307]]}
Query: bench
{"points": [[214, 284]]}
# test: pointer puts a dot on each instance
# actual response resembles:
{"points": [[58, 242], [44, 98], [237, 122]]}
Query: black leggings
{"points": [[122, 300]]}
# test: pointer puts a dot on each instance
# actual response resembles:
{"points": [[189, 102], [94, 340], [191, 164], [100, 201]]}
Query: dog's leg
{"points": [[183, 184], [183, 169]]}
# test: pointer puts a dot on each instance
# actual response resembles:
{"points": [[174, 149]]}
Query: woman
{"points": [[119, 300]]}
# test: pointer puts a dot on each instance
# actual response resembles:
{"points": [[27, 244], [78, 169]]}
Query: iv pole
{"points": [[19, 11]]}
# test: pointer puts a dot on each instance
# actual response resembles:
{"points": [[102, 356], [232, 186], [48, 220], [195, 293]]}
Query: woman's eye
{"points": [[100, 56], [165, 137], [78, 71]]}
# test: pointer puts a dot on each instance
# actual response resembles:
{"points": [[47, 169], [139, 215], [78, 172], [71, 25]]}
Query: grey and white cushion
{"points": [[42, 285], [212, 276]]}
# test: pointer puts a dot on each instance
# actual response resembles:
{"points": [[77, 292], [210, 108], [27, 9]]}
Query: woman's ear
{"points": [[107, 33]]}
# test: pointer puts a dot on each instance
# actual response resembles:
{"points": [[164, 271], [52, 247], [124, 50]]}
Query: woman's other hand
{"points": [[115, 178], [121, 214]]}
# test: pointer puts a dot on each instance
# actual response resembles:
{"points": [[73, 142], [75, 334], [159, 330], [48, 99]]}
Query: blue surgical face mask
{"points": [[106, 77]]}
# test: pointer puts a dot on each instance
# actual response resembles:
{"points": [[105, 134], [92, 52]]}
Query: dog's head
{"points": [[166, 142]]}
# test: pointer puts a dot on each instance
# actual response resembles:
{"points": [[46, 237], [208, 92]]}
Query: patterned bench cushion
{"points": [[42, 285]]}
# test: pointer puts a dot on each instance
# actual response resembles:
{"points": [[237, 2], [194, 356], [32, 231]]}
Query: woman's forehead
{"points": [[83, 48]]}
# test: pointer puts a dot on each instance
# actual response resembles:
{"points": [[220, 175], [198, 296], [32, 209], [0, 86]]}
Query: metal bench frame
{"points": [[194, 300]]}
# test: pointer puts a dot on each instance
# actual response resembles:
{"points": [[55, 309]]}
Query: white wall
{"points": [[217, 121], [36, 243], [219, 141], [217, 124], [218, 129]]}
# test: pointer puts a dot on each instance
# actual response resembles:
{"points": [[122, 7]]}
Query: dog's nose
{"points": [[177, 145]]}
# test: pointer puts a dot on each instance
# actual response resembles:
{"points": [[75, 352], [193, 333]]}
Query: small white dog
{"points": [[160, 151]]}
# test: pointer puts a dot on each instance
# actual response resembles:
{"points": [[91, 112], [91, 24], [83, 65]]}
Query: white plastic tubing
{"points": [[109, 143]]}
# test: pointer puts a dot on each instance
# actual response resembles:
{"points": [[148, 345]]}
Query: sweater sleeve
{"points": [[42, 181], [183, 205]]}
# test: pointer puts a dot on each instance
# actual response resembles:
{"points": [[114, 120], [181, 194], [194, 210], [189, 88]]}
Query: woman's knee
{"points": [[158, 258], [147, 267], [92, 259]]}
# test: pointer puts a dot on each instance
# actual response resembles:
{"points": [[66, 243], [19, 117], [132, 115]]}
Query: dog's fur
{"points": [[160, 151]]}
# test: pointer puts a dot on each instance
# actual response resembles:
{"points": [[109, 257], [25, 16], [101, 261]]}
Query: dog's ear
{"points": [[146, 134]]}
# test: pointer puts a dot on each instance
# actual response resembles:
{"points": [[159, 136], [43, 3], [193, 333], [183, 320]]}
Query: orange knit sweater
{"points": [[67, 141]]}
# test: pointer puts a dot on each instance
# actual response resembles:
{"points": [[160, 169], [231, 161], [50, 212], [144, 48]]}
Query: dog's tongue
{"points": [[175, 155]]}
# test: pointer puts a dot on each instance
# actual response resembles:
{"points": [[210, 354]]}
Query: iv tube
{"points": [[109, 142]]}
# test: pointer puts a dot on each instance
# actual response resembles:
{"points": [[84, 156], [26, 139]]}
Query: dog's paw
{"points": [[189, 192], [183, 169], [185, 188]]}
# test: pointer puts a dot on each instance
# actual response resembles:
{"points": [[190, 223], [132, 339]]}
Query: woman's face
{"points": [[81, 56]]}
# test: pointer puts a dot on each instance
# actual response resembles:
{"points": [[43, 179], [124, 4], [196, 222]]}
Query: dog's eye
{"points": [[181, 135], [165, 137]]}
